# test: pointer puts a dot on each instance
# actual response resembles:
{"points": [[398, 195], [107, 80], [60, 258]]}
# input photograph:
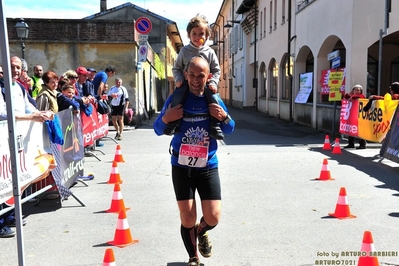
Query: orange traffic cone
{"points": [[109, 259], [337, 148], [117, 203], [342, 208], [367, 250], [122, 237], [118, 155], [327, 145], [114, 177], [325, 172]]}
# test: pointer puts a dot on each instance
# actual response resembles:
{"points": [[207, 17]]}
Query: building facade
{"points": [[271, 43], [107, 38]]}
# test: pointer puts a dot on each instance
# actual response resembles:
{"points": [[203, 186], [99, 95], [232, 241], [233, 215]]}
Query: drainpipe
{"points": [[382, 33], [255, 81], [289, 60]]}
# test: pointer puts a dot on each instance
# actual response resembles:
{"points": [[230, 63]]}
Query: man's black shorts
{"points": [[187, 180], [117, 110]]}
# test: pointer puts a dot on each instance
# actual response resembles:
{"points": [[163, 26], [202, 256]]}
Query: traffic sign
{"points": [[143, 49], [336, 62], [143, 25], [332, 55]]}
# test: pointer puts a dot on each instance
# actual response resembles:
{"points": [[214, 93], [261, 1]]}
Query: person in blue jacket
{"points": [[194, 161]]}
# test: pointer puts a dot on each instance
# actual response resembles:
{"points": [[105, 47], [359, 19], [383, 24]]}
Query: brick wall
{"points": [[65, 30]]}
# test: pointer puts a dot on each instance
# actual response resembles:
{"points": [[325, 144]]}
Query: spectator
{"points": [[67, 98], [119, 105], [24, 79], [83, 85], [72, 76], [23, 110], [91, 74], [355, 94], [394, 91], [37, 81], [99, 82], [47, 96]]}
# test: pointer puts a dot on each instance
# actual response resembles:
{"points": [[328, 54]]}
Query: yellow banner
{"points": [[374, 124], [335, 79], [334, 94]]}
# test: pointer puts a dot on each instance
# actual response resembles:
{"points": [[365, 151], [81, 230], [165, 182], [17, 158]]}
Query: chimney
{"points": [[103, 5]]}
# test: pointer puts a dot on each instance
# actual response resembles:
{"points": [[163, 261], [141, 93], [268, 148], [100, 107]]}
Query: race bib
{"points": [[193, 155]]}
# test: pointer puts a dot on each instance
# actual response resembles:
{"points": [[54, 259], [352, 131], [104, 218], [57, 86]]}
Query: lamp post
{"points": [[228, 25], [22, 32]]}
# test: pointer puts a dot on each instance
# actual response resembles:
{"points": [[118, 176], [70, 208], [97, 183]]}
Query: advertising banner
{"points": [[35, 162], [305, 87], [375, 123], [348, 121]]}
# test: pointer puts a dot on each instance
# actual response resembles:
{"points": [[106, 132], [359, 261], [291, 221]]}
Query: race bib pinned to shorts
{"points": [[193, 155]]}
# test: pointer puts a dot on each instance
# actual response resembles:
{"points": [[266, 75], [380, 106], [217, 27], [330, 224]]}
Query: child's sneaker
{"points": [[215, 130], [172, 128]]}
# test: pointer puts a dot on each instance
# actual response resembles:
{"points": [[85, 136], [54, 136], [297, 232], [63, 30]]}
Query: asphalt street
{"points": [[274, 212]]}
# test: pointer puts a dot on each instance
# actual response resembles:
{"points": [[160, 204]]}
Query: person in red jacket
{"points": [[356, 93]]}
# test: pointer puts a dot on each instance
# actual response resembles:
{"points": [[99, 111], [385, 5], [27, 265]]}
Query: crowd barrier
{"points": [[373, 124], [40, 157]]}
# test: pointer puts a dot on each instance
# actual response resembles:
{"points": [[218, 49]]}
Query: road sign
{"points": [[143, 49], [143, 37], [143, 25], [336, 62], [332, 55]]}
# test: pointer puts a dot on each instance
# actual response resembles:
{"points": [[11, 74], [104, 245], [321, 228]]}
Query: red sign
{"points": [[143, 25]]}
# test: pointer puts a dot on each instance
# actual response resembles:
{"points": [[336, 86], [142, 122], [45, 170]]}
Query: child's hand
{"points": [[179, 83], [213, 88]]}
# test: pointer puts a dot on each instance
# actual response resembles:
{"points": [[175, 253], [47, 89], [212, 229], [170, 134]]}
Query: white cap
{"points": [[358, 86]]}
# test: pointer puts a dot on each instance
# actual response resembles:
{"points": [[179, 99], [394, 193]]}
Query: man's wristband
{"points": [[227, 119]]}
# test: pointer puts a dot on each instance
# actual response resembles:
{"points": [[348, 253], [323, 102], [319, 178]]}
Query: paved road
{"points": [[273, 212]]}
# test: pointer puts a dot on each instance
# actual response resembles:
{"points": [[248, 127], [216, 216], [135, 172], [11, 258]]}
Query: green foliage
{"points": [[159, 67]]}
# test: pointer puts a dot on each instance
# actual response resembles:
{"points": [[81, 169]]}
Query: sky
{"points": [[179, 11]]}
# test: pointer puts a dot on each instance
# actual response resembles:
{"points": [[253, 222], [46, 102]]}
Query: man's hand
{"points": [[173, 114], [217, 111]]}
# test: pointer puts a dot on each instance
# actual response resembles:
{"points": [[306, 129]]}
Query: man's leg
{"points": [[185, 194], [115, 124], [121, 125], [188, 217], [211, 212]]}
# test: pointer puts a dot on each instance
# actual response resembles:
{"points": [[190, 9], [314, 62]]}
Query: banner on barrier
{"points": [[375, 123], [95, 127], [372, 125], [392, 149], [348, 121], [70, 155], [34, 160]]}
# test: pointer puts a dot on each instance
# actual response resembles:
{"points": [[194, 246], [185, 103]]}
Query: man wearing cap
{"points": [[91, 74], [83, 85]]}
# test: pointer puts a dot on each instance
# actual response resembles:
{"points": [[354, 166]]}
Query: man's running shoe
{"points": [[194, 261], [204, 245]]}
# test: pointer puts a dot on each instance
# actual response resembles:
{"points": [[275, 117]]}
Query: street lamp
{"points": [[232, 21], [22, 32]]}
